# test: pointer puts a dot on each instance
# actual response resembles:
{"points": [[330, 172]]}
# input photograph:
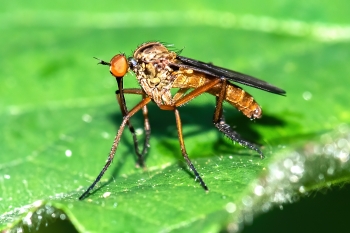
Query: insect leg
{"points": [[147, 128], [183, 150], [196, 92], [180, 93], [139, 106], [123, 107], [181, 99], [221, 125]]}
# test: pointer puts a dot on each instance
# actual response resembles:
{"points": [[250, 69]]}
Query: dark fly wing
{"points": [[231, 75]]}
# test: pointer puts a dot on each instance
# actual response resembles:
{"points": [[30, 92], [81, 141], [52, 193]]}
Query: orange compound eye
{"points": [[119, 65]]}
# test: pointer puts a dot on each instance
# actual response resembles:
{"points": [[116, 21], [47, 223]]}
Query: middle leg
{"points": [[183, 150]]}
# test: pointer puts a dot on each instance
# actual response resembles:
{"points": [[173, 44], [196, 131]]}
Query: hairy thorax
{"points": [[154, 73]]}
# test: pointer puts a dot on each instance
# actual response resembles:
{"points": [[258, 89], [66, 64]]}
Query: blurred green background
{"points": [[58, 110]]}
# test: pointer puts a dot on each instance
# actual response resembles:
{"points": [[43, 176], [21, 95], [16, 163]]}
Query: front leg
{"points": [[140, 155]]}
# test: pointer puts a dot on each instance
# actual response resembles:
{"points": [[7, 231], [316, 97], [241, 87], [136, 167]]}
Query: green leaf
{"points": [[59, 115]]}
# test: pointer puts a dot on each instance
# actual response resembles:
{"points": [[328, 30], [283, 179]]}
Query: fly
{"points": [[158, 70]]}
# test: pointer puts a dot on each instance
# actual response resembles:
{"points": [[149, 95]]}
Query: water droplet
{"points": [[294, 178], [343, 155], [247, 201], [106, 194], [63, 216], [307, 95], [330, 170], [231, 207], [105, 135], [342, 142], [302, 189], [343, 128], [37, 203], [86, 118], [14, 110], [320, 176], [68, 153], [298, 170], [287, 163], [139, 131], [266, 206], [329, 149], [232, 227], [7, 177], [259, 190], [276, 172]]}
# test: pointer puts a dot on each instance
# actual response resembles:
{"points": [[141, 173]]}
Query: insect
{"points": [[158, 70]]}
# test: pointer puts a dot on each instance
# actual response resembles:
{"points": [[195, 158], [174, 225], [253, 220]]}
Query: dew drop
{"points": [[287, 163], [14, 110], [294, 178], [307, 95], [298, 170], [139, 131], [247, 201], [278, 174], [266, 206], [232, 227], [37, 203], [231, 207], [343, 155], [259, 190], [342, 143], [343, 128], [329, 149], [330, 170], [86, 118], [68, 153], [105, 135], [320, 176], [106, 194]]}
